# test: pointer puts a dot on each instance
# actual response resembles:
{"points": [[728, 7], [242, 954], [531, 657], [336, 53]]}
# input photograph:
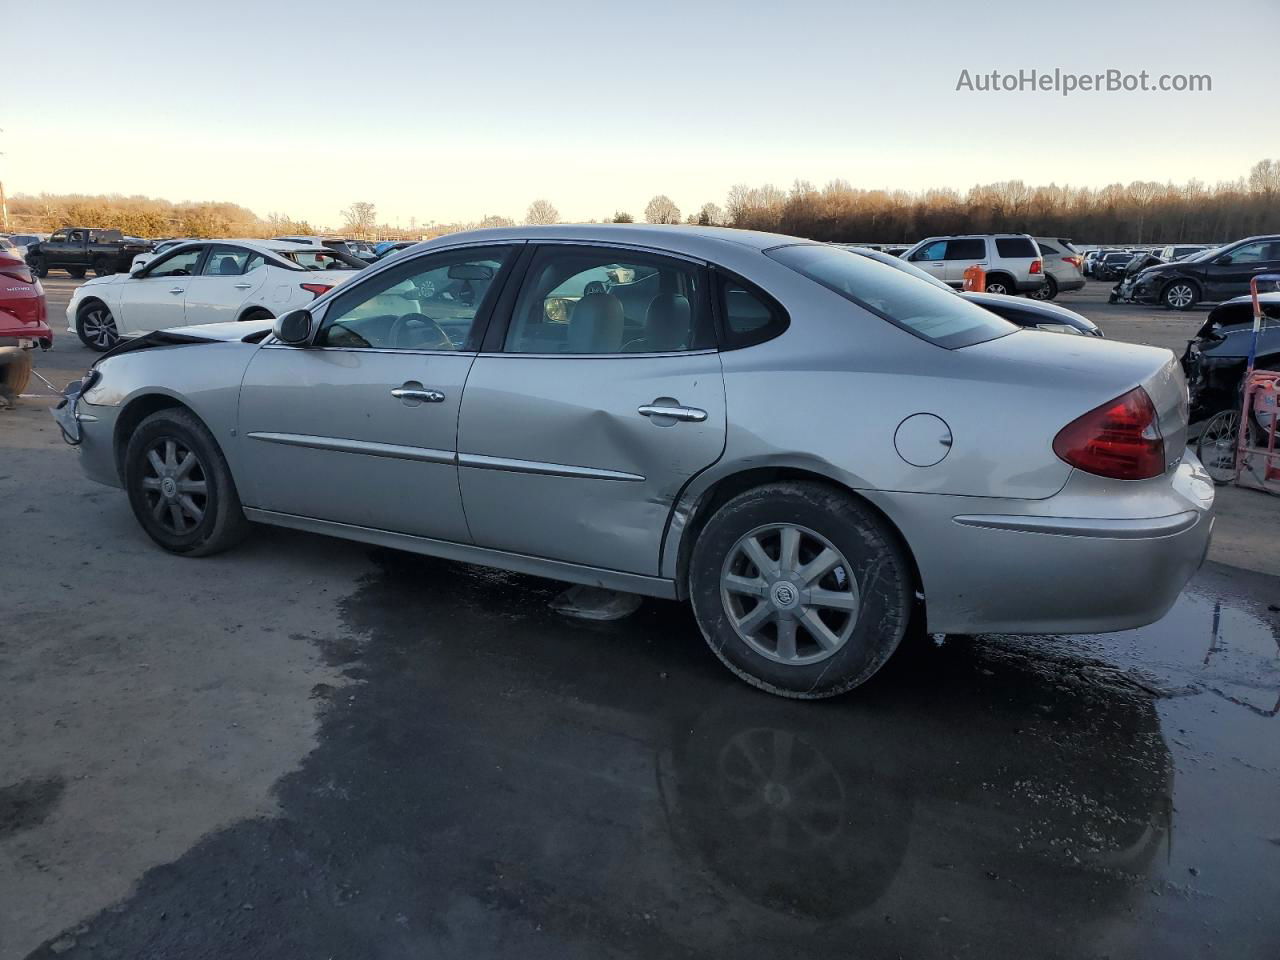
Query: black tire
{"points": [[103, 267], [221, 522], [15, 371], [1047, 291], [96, 327], [1180, 295], [866, 544], [38, 266], [999, 283], [76, 272], [250, 316]]}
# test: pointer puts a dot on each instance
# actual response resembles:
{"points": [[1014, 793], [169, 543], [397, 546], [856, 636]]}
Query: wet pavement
{"points": [[307, 748], [496, 780]]}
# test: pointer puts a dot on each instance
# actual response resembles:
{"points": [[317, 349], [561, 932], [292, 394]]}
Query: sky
{"points": [[447, 112]]}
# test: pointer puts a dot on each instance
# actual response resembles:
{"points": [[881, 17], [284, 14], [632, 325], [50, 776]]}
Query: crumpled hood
{"points": [[223, 332]]}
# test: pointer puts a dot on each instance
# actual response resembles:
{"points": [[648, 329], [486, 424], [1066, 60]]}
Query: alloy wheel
{"points": [[100, 328], [1179, 296], [175, 486], [789, 594]]}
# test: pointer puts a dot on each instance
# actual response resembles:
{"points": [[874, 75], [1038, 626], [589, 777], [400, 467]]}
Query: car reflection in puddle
{"points": [[501, 781]]}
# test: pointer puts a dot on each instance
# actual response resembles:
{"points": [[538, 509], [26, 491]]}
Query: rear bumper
{"points": [[1048, 566], [1026, 286], [1070, 283]]}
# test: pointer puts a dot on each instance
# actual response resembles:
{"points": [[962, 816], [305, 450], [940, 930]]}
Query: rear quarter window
{"points": [[1016, 248], [939, 316]]}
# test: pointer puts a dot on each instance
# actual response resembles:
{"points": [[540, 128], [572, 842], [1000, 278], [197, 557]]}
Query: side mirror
{"points": [[140, 261], [293, 328], [1223, 260]]}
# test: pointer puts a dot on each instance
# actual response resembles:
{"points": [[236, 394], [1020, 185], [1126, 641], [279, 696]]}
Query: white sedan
{"points": [[204, 281]]}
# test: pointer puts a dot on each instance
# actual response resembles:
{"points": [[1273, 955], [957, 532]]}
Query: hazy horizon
{"points": [[435, 114]]}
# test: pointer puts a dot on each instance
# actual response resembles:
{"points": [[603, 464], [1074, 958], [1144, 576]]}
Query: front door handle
{"points": [[243, 286], [415, 393], [177, 289], [687, 414]]}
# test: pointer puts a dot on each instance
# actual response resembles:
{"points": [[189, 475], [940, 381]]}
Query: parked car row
{"points": [[621, 385], [205, 281]]}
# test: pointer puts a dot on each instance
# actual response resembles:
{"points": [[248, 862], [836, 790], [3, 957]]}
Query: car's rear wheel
{"points": [[1047, 291], [999, 284], [97, 327], [76, 272], [15, 371], [252, 316], [180, 487], [799, 589], [103, 267], [38, 266], [1180, 295]]}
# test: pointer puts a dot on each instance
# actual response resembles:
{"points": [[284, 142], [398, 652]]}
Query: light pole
{"points": [[4, 204]]}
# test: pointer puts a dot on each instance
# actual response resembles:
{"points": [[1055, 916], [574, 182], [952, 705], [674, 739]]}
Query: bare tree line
{"points": [[1139, 212]]}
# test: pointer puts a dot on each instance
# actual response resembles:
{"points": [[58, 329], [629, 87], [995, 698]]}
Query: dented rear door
{"points": [[571, 457]]}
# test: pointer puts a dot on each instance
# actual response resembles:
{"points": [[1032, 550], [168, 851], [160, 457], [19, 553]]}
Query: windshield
{"points": [[933, 314]]}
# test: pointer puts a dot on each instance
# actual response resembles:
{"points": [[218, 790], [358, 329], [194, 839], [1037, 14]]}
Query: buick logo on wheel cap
{"points": [[784, 594]]}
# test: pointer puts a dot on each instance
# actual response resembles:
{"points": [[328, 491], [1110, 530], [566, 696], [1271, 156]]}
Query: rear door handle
{"points": [[687, 414], [177, 289], [243, 286], [419, 394]]}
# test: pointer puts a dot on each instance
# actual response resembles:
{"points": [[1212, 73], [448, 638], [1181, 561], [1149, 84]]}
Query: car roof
{"points": [[254, 243], [690, 240]]}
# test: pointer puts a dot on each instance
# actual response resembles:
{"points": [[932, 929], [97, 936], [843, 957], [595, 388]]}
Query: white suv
{"points": [[1012, 260]]}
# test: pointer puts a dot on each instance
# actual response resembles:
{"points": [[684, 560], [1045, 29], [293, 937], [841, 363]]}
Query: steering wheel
{"points": [[426, 332]]}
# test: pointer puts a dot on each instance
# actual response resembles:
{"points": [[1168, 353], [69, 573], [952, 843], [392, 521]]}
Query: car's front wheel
{"points": [[180, 487], [1180, 295], [800, 590], [39, 267], [96, 327]]}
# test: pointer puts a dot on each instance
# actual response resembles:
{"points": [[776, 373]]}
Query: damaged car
{"points": [[810, 448], [1216, 359]]}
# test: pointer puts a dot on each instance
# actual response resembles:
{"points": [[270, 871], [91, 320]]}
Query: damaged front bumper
{"points": [[67, 415]]}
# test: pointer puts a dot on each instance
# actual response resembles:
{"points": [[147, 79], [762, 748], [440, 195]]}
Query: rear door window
{"points": [[967, 248], [750, 316], [930, 313], [1016, 248]]}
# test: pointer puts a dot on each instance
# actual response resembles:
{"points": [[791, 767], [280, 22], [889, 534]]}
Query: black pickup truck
{"points": [[76, 249]]}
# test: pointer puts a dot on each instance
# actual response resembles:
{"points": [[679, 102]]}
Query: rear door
{"points": [[229, 276], [962, 253], [583, 420]]}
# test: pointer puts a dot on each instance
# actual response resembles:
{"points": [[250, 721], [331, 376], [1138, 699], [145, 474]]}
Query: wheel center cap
{"points": [[784, 595], [169, 487]]}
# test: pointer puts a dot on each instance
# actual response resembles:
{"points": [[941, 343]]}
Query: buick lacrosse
{"points": [[808, 446]]}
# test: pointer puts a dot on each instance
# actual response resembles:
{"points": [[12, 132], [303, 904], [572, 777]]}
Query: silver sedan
{"points": [[810, 447]]}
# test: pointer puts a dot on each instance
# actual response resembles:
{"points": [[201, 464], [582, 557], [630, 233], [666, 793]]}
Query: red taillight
{"points": [[18, 271], [317, 288], [1120, 439], [1074, 261], [1035, 267]]}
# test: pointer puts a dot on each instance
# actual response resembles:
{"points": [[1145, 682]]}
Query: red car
{"points": [[24, 324]]}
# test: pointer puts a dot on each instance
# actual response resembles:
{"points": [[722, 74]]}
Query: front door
{"points": [[361, 426], [1226, 280], [931, 258], [605, 398], [227, 279], [157, 299]]}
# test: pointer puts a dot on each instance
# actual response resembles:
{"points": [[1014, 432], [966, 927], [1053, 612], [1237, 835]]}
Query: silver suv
{"points": [[1012, 260], [1061, 267]]}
